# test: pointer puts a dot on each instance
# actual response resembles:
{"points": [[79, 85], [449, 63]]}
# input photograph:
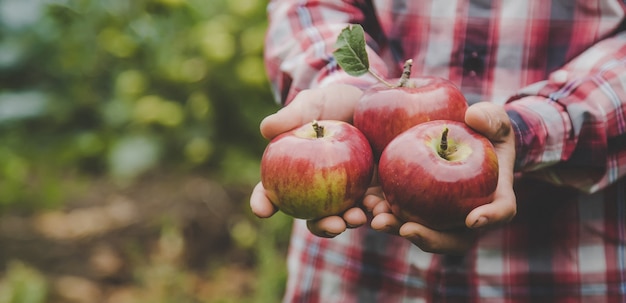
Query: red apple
{"points": [[436, 172], [384, 112], [317, 170]]}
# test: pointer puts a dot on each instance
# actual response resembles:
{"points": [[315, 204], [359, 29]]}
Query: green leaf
{"points": [[350, 50]]}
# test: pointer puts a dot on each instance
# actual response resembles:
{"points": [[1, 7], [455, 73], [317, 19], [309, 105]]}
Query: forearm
{"points": [[571, 130], [300, 42]]}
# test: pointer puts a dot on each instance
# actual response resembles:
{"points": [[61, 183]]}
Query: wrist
{"points": [[540, 126]]}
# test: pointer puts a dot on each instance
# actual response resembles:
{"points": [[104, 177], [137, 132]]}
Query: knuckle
{"points": [[428, 245], [503, 128]]}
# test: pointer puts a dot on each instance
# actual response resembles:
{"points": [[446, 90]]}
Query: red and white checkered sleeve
{"points": [[571, 129], [300, 41]]}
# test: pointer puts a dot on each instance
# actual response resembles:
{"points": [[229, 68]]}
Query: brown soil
{"points": [[90, 250]]}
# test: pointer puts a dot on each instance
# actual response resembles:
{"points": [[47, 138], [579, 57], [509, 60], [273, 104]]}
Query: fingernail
{"points": [[559, 77], [414, 238], [387, 228], [480, 222], [330, 235]]}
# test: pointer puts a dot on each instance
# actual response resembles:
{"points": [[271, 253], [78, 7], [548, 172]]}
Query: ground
{"points": [[162, 239]]}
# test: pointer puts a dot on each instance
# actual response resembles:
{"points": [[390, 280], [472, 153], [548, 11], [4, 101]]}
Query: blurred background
{"points": [[129, 145]]}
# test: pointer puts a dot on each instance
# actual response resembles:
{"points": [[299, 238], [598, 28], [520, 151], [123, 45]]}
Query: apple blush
{"points": [[383, 112], [436, 172], [317, 170]]}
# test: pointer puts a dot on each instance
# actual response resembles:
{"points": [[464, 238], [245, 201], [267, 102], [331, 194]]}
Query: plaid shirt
{"points": [[559, 68]]}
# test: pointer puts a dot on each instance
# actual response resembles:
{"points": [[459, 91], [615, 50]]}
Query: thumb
{"points": [[333, 102], [283, 120], [489, 119], [493, 122]]}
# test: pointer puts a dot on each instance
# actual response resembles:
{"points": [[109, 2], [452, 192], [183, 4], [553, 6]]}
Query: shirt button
{"points": [[559, 77], [473, 63]]}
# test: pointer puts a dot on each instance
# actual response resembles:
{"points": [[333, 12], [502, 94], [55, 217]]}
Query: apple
{"points": [[317, 170], [384, 112], [436, 172]]}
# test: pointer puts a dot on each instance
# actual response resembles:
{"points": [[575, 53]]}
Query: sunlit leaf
{"points": [[216, 38], [173, 3], [117, 43], [218, 47], [89, 143], [244, 233], [198, 150], [193, 70], [199, 105], [251, 70], [116, 112], [154, 109], [244, 7], [24, 284], [252, 40], [131, 82]]}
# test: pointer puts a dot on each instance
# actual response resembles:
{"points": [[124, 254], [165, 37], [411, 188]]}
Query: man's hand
{"points": [[492, 121], [333, 102]]}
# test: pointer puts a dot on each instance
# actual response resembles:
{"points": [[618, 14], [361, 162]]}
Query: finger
{"points": [[382, 207], [437, 241], [504, 206], [354, 217], [502, 210], [287, 118], [327, 227], [373, 196], [386, 222], [492, 121], [489, 119], [261, 206]]}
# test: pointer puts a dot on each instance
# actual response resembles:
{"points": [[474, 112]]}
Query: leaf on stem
{"points": [[350, 50]]}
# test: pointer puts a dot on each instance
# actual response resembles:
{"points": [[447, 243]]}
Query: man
{"points": [[546, 82]]}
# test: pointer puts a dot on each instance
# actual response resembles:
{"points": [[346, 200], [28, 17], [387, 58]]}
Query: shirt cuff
{"points": [[542, 132]]}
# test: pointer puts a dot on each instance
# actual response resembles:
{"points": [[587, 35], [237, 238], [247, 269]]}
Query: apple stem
{"points": [[380, 79], [443, 146], [406, 73], [319, 130]]}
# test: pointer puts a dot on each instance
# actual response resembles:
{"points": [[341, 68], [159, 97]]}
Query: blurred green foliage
{"points": [[23, 284], [120, 88]]}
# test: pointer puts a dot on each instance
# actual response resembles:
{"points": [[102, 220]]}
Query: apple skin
{"points": [[309, 178], [422, 186], [383, 112]]}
